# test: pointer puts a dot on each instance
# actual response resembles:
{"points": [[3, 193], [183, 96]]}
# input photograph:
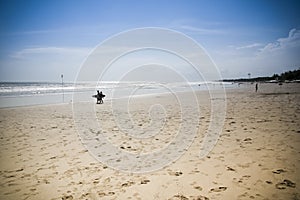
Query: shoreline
{"points": [[21, 95], [108, 100], [245, 86]]}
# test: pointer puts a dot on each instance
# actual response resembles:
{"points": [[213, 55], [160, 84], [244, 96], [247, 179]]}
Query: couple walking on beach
{"points": [[99, 96]]}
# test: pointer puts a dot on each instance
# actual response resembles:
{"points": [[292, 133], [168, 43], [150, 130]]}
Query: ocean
{"points": [[13, 94]]}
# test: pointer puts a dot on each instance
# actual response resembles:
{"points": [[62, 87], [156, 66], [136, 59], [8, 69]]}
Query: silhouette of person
{"points": [[256, 87], [99, 97]]}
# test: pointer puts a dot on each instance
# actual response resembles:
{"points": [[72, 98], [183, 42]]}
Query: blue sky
{"points": [[39, 40]]}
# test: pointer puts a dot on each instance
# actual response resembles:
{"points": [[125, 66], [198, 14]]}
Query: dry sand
{"points": [[257, 155]]}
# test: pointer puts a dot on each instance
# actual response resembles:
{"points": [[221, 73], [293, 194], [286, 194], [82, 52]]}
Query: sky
{"points": [[40, 40]]}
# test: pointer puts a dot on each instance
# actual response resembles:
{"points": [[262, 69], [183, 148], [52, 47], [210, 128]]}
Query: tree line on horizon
{"points": [[285, 76]]}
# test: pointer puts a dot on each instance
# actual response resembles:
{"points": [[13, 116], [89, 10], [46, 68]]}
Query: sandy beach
{"points": [[257, 155]]}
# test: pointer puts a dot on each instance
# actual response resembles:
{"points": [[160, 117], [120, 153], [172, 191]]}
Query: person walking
{"points": [[256, 87]]}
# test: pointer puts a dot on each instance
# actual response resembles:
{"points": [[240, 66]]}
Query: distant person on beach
{"points": [[99, 97], [256, 87]]}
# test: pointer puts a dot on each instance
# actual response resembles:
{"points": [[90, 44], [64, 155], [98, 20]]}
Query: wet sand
{"points": [[256, 157]]}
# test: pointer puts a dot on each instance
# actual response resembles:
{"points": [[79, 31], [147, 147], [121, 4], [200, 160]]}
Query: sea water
{"points": [[14, 94]]}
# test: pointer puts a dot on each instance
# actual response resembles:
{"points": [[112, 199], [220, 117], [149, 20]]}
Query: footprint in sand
{"points": [[129, 183], [248, 141], [67, 197], [179, 173], [200, 197], [278, 171], [107, 180], [230, 169], [286, 183], [182, 197], [145, 181], [244, 178], [198, 188], [102, 194], [178, 197], [246, 195], [219, 189]]}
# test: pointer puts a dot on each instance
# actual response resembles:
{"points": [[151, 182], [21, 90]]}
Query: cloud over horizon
{"points": [[261, 59], [292, 41]]}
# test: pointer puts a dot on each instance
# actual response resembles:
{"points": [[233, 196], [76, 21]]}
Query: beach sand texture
{"points": [[257, 155]]}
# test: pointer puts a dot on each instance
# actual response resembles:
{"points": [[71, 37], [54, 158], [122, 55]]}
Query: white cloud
{"points": [[260, 60], [203, 28], [293, 40], [203, 31], [254, 45], [51, 50]]}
